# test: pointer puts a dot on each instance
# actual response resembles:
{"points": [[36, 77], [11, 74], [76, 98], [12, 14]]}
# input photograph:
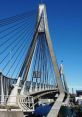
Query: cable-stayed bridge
{"points": [[28, 67]]}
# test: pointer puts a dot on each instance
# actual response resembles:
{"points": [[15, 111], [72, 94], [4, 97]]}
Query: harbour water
{"points": [[43, 110]]}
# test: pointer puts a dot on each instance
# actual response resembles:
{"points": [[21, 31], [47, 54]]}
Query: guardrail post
{"points": [[40, 88], [36, 87], [30, 90], [23, 91]]}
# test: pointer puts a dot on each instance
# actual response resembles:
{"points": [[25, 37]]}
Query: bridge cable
{"points": [[12, 43], [16, 24], [15, 51], [14, 19], [31, 49], [20, 58], [17, 57]]}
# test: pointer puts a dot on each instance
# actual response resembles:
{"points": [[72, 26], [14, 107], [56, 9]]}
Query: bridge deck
{"points": [[43, 91]]}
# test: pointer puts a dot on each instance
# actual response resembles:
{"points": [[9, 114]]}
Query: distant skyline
{"points": [[65, 25]]}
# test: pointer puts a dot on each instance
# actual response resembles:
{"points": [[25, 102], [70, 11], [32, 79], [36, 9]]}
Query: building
{"points": [[79, 97]]}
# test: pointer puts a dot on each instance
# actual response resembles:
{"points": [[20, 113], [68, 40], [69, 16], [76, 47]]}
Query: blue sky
{"points": [[65, 25]]}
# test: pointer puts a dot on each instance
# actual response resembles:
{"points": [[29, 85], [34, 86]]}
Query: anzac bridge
{"points": [[29, 73]]}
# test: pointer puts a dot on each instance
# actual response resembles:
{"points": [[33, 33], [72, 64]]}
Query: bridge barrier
{"points": [[9, 83], [25, 103]]}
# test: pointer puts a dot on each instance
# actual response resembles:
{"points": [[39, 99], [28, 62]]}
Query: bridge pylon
{"points": [[44, 28], [41, 28]]}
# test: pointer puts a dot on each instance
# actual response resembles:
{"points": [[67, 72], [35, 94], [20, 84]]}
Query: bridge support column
{"points": [[23, 91], [43, 87], [46, 86], [49, 86], [12, 100], [2, 89], [31, 90], [36, 87], [40, 87]]}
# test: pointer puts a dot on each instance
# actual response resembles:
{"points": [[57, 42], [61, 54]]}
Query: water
{"points": [[43, 110]]}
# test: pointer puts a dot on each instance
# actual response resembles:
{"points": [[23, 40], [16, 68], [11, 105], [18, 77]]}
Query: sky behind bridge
{"points": [[65, 25]]}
